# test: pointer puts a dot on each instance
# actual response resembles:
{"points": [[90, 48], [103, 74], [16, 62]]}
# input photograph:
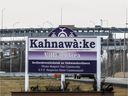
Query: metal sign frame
{"points": [[63, 55], [98, 74]]}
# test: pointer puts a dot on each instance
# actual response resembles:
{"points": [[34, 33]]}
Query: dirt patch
{"points": [[121, 74], [8, 85]]}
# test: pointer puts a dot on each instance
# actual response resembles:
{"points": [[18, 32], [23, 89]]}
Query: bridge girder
{"points": [[37, 32]]}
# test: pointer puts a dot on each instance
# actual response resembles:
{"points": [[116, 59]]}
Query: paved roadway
{"points": [[123, 81], [115, 81]]}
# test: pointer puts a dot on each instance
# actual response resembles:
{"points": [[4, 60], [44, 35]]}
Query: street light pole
{"points": [[125, 48], [2, 11]]}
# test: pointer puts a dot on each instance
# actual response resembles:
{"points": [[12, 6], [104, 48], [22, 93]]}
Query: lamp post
{"points": [[125, 35], [125, 48], [124, 52], [2, 11]]}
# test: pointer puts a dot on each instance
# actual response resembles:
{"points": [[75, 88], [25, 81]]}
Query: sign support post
{"points": [[98, 64], [62, 81], [26, 66]]}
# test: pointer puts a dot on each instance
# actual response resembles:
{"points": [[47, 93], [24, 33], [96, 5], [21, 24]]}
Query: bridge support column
{"points": [[124, 65], [110, 59]]}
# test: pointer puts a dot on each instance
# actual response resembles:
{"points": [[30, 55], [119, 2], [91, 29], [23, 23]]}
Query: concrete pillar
{"points": [[110, 59]]}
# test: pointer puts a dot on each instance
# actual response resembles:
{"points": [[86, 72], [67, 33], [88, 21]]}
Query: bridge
{"points": [[12, 47], [42, 32]]}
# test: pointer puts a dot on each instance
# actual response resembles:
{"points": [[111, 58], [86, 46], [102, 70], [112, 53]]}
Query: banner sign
{"points": [[62, 55]]}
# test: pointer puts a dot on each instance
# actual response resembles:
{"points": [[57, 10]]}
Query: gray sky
{"points": [[47, 13]]}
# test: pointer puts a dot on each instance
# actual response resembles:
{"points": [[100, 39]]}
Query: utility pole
{"points": [[125, 48], [2, 11]]}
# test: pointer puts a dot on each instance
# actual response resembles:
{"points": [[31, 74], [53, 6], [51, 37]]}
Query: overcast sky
{"points": [[47, 13]]}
